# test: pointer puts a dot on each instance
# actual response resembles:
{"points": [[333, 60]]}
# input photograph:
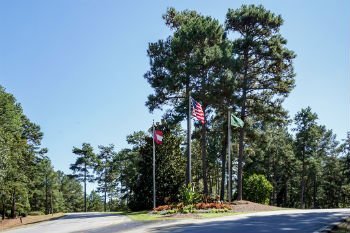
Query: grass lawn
{"points": [[216, 215], [145, 216]]}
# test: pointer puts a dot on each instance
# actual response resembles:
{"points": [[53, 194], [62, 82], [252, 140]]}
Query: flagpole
{"points": [[229, 155], [189, 179], [154, 170]]}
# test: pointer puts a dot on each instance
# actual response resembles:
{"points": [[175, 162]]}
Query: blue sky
{"points": [[77, 66]]}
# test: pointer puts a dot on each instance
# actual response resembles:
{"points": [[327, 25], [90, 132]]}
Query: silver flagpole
{"points": [[229, 155], [189, 179], [154, 170]]}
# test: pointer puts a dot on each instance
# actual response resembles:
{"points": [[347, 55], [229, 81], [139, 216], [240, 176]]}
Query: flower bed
{"points": [[195, 208]]}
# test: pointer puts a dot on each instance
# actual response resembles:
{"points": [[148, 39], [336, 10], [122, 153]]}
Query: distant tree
{"points": [[275, 158], [106, 174], [83, 164], [95, 203], [308, 135], [72, 193], [345, 170]]}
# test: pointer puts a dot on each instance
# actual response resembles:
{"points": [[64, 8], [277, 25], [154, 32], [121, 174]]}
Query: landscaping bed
{"points": [[196, 210]]}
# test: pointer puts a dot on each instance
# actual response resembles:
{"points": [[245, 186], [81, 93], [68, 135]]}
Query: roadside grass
{"points": [[145, 216], [216, 215]]}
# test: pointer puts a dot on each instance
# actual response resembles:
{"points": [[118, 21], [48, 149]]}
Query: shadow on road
{"points": [[87, 215], [309, 222]]}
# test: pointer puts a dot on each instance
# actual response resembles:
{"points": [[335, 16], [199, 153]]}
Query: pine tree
{"points": [[83, 164], [265, 75], [185, 63]]}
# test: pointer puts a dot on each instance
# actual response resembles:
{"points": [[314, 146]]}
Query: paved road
{"points": [[301, 221], [78, 222], [304, 221]]}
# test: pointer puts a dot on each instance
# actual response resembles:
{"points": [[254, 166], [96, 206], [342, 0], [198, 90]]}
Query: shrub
{"points": [[257, 189], [35, 213], [163, 207], [188, 195], [205, 206], [23, 215]]}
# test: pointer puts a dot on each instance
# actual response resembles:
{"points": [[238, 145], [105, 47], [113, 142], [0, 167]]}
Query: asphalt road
{"points": [[304, 221], [77, 222]]}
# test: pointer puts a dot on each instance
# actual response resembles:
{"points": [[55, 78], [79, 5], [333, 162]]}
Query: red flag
{"points": [[158, 136]]}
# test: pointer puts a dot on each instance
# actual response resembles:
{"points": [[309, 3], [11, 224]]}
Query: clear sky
{"points": [[77, 66]]}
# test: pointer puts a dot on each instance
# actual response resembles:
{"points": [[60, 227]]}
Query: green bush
{"points": [[257, 189], [35, 213], [23, 215], [188, 195]]}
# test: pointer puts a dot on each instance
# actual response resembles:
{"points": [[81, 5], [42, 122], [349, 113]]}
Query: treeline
{"points": [[28, 181], [309, 164]]}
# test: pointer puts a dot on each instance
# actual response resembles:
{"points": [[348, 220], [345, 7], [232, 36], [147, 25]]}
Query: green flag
{"points": [[236, 122]]}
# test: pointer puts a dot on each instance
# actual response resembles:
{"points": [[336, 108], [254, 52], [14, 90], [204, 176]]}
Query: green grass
{"points": [[216, 215], [145, 216]]}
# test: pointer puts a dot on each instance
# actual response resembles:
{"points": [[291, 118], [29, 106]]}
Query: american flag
{"points": [[197, 111]]}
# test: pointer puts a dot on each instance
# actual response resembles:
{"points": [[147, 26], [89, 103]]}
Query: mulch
{"points": [[247, 206]]}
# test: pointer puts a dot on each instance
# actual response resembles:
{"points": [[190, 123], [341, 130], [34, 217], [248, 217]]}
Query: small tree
{"points": [[258, 189]]}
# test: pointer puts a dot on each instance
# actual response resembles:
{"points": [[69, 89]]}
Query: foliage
{"points": [[95, 203], [28, 181], [170, 168], [35, 213], [243, 66], [82, 166], [188, 195], [258, 189], [106, 171]]}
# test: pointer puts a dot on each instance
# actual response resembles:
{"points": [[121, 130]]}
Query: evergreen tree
{"points": [[95, 203], [184, 63], [83, 164], [265, 75], [106, 175], [308, 135], [170, 168]]}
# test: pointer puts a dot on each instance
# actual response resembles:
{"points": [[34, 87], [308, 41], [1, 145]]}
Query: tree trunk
{"points": [[315, 192], [223, 166], [51, 203], [13, 205], [85, 209], [217, 180], [3, 209], [46, 196], [242, 130], [105, 200], [204, 156], [210, 184], [302, 182]]}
